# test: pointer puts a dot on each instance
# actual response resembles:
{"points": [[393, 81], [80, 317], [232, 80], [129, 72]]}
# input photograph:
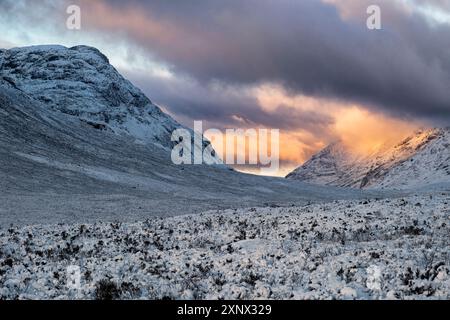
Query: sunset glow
{"points": [[196, 69]]}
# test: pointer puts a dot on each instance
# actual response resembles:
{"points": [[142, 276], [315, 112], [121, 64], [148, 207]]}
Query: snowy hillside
{"points": [[86, 181], [58, 163], [328, 167], [374, 249], [421, 159], [79, 81]]}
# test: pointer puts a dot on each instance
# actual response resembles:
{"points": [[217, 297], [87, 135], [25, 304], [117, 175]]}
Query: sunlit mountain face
{"points": [[311, 69]]}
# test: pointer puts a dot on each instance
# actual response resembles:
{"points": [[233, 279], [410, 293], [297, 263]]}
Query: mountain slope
{"points": [[328, 167], [419, 160], [79, 81], [56, 167]]}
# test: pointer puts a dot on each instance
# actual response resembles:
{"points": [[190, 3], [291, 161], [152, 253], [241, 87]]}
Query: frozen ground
{"points": [[349, 249]]}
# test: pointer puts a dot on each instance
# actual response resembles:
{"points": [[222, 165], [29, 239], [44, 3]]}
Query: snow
{"points": [[87, 186], [80, 82], [421, 159], [376, 249], [35, 48], [55, 168], [103, 173]]}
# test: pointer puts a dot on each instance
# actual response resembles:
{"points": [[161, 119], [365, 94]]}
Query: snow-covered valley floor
{"points": [[385, 248]]}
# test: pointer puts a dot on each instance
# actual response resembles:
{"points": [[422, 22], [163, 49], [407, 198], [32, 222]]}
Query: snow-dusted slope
{"points": [[328, 167], [58, 167], [79, 81], [421, 159]]}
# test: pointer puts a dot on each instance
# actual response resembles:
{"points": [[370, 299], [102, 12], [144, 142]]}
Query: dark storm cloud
{"points": [[305, 45], [225, 107]]}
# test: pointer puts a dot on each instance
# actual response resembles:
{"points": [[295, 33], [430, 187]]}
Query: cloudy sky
{"points": [[310, 68]]}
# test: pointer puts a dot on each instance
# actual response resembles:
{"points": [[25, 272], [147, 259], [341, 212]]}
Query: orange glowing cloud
{"points": [[365, 132], [361, 130]]}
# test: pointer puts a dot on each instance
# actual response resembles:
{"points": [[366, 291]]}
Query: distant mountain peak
{"points": [[420, 159]]}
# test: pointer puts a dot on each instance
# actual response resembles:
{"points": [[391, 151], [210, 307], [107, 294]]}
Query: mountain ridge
{"points": [[55, 167], [420, 159], [68, 80]]}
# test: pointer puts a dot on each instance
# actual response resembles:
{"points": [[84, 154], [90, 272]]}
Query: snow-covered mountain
{"points": [[80, 82], [86, 180], [68, 151], [419, 160]]}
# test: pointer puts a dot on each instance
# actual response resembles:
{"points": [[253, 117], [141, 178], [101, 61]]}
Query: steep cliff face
{"points": [[421, 159]]}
